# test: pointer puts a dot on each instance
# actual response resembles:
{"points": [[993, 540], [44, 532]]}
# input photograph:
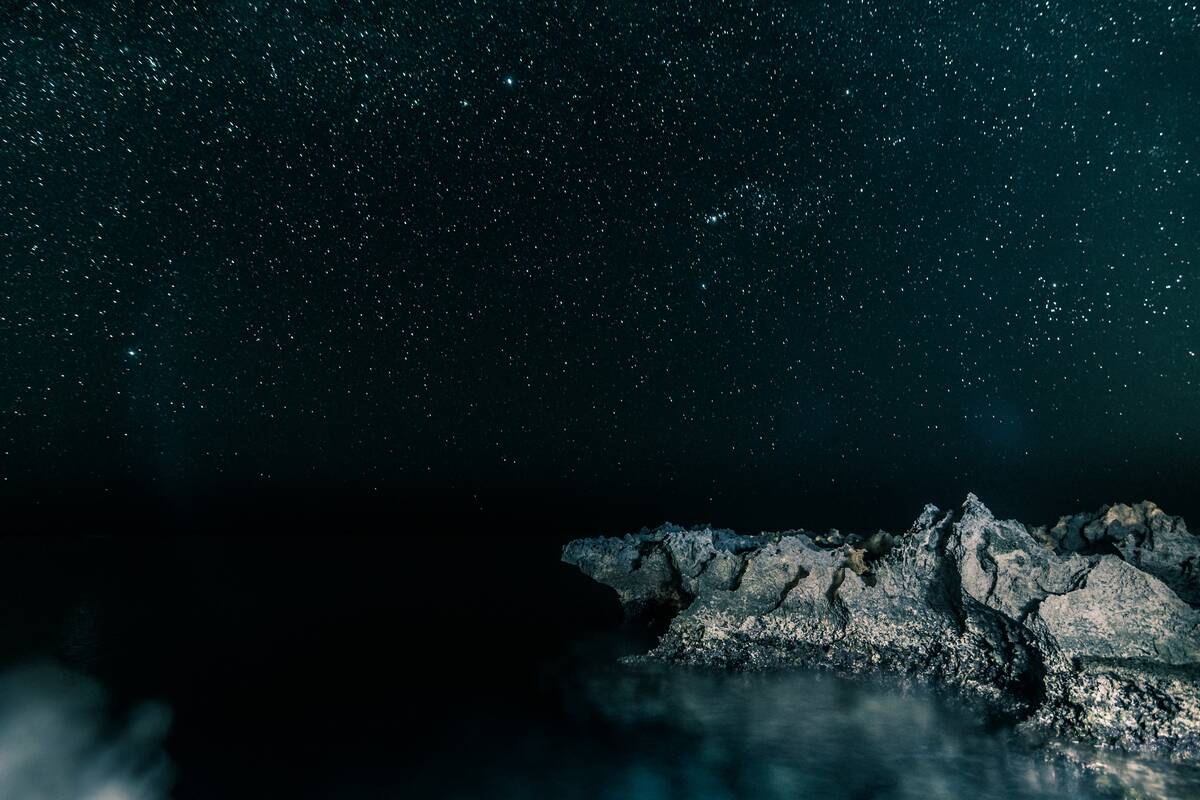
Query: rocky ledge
{"points": [[1086, 629]]}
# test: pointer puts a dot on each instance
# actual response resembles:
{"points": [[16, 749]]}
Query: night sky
{"points": [[764, 263]]}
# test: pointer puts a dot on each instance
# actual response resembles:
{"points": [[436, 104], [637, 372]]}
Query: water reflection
{"points": [[1122, 775], [710, 735], [645, 732]]}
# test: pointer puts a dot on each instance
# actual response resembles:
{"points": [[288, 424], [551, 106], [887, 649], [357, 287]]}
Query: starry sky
{"points": [[743, 256]]}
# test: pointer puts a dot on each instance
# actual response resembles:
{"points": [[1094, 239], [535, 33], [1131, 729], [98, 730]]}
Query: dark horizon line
{"points": [[558, 509]]}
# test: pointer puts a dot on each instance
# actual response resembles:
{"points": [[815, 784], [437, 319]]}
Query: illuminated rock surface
{"points": [[1085, 630]]}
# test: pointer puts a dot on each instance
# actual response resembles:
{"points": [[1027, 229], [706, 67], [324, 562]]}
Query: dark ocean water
{"points": [[141, 668]]}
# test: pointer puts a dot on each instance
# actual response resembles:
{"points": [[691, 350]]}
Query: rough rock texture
{"points": [[1142, 534], [1087, 628]]}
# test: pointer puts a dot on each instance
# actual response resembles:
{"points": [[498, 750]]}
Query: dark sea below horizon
{"points": [[352, 667]]}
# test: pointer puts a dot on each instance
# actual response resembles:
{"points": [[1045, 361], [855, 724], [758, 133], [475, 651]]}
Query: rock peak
{"points": [[973, 506]]}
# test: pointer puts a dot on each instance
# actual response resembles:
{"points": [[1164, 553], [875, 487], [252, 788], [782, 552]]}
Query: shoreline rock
{"points": [[1087, 629]]}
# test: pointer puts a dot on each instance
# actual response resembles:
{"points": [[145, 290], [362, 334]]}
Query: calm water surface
{"points": [[653, 732]]}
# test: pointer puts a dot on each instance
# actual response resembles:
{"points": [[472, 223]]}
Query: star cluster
{"points": [[711, 245]]}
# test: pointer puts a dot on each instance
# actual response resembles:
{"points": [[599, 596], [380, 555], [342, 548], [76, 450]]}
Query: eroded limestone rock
{"points": [[1086, 628]]}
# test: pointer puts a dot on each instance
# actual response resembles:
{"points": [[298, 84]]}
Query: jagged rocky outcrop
{"points": [[1087, 628]]}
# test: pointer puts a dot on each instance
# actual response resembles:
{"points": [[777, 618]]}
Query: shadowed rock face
{"points": [[1087, 628]]}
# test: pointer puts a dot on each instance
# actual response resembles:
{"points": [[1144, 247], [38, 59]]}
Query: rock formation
{"points": [[1087, 629]]}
